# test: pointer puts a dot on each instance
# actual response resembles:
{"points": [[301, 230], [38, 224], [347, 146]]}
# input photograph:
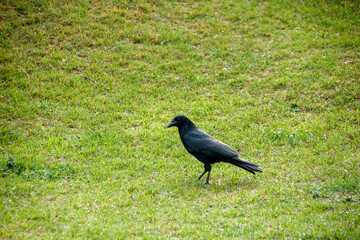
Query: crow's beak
{"points": [[171, 124]]}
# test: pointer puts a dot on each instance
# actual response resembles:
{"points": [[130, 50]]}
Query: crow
{"points": [[207, 149]]}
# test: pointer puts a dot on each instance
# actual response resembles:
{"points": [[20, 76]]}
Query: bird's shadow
{"points": [[218, 185]]}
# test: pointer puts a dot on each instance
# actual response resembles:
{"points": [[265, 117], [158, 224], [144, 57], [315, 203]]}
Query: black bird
{"points": [[207, 149]]}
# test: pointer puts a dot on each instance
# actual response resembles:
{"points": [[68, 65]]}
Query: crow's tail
{"points": [[248, 166]]}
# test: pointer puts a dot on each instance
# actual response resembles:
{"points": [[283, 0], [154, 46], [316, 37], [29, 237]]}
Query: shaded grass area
{"points": [[87, 88]]}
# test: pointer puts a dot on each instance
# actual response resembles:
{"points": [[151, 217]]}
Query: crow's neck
{"points": [[186, 127]]}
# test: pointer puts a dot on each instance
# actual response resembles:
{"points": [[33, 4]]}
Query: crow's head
{"points": [[179, 121]]}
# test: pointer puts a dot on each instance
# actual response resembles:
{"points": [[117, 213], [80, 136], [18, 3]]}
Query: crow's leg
{"points": [[207, 167], [202, 174], [207, 179]]}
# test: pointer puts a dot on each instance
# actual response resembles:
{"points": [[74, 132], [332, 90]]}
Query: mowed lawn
{"points": [[88, 87]]}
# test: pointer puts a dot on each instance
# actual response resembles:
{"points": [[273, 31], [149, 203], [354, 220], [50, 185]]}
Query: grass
{"points": [[87, 88]]}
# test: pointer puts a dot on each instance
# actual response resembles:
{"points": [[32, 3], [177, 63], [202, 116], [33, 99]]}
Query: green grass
{"points": [[87, 88]]}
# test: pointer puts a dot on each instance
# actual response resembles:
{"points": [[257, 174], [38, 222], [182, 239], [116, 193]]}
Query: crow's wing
{"points": [[197, 141]]}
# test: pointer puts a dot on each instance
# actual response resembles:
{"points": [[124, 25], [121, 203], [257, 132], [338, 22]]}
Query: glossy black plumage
{"points": [[207, 149]]}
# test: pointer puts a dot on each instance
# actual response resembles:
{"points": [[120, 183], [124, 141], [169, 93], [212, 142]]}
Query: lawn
{"points": [[88, 87]]}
